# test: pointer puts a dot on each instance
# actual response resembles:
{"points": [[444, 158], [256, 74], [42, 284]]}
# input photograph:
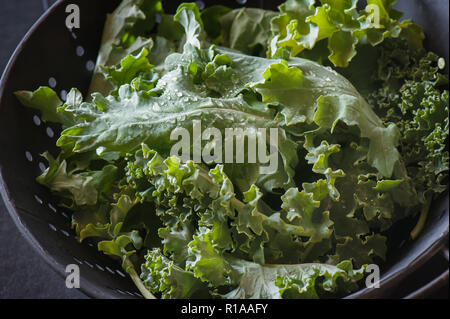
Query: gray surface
{"points": [[23, 273]]}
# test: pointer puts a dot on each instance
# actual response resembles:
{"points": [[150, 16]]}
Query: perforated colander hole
{"points": [[65, 233], [42, 166], [90, 65], [91, 245], [200, 4], [38, 199], [99, 267], [241, 2], [77, 260], [401, 244], [36, 120], [52, 208], [52, 227], [129, 293], [50, 132], [110, 270], [63, 95], [52, 82], [121, 273], [72, 33], [120, 291], [138, 295], [88, 264], [79, 50], [28, 156], [65, 215]]}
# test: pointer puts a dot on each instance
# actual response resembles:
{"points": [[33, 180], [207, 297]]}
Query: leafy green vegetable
{"points": [[162, 275], [256, 22], [301, 26], [125, 33], [47, 102], [304, 281], [351, 161], [414, 95]]}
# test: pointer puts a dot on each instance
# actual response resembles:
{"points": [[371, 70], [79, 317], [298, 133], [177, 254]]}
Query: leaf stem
{"points": [[137, 280], [422, 219]]}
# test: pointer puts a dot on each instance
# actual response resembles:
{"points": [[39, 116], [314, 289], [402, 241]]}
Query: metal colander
{"points": [[52, 55]]}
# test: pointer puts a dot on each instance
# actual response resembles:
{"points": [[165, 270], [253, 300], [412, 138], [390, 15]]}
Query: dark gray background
{"points": [[23, 274]]}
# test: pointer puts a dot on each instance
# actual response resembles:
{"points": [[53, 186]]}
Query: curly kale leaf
{"points": [[340, 25], [414, 95]]}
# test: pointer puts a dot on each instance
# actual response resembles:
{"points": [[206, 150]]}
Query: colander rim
{"points": [[87, 288]]}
